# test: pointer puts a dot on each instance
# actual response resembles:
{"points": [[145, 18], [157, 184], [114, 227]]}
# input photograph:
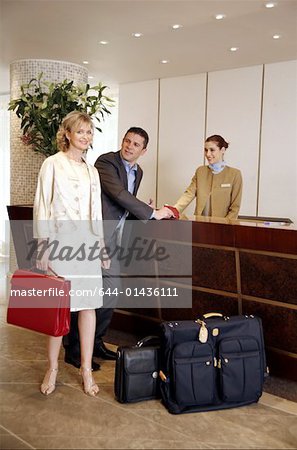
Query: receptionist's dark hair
{"points": [[219, 140]]}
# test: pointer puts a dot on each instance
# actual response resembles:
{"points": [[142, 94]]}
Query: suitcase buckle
{"points": [[162, 375]]}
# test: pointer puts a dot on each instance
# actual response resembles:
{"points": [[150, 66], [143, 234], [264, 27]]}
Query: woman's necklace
{"points": [[77, 157]]}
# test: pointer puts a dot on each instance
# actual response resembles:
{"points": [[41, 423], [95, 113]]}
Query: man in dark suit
{"points": [[120, 177]]}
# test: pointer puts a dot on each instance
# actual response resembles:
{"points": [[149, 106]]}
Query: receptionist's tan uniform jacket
{"points": [[223, 190]]}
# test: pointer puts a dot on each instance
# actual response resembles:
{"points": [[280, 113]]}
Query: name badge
{"points": [[226, 185]]}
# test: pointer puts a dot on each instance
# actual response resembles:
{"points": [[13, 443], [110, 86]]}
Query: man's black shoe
{"points": [[100, 351], [76, 362]]}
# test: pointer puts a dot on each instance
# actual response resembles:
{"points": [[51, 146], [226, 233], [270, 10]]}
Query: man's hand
{"points": [[163, 213]]}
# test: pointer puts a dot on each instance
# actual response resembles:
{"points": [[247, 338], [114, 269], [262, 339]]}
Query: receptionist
{"points": [[217, 187]]}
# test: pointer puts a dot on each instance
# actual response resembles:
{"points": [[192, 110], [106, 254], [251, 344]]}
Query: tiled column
{"points": [[24, 162]]}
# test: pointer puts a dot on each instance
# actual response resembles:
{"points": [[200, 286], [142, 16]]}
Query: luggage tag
{"points": [[203, 332]]}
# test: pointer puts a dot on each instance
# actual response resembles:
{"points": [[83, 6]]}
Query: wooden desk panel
{"points": [[269, 277], [214, 268], [278, 240]]}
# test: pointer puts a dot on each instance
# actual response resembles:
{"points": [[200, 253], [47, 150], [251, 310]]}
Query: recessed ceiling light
{"points": [[164, 61], [233, 49], [270, 4], [103, 42], [137, 35], [220, 16], [176, 26], [276, 36], [85, 62], [90, 77]]}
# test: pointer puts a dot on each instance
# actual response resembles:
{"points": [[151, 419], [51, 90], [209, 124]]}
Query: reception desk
{"points": [[237, 267]]}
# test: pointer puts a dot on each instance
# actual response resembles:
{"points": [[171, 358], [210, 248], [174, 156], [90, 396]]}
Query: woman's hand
{"points": [[105, 263], [42, 258], [105, 259]]}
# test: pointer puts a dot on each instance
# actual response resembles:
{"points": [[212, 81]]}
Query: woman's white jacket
{"points": [[58, 196]]}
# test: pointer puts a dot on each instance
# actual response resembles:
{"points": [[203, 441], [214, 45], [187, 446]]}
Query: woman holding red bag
{"points": [[67, 211]]}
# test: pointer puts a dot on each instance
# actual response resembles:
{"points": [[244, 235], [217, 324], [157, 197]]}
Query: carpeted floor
{"points": [[281, 387], [273, 385]]}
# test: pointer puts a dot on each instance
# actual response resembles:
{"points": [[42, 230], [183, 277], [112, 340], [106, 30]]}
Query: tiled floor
{"points": [[68, 419]]}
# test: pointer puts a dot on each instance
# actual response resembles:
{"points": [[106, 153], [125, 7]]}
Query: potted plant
{"points": [[43, 105]]}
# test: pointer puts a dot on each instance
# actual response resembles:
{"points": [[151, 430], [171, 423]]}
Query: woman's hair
{"points": [[219, 140], [71, 122]]}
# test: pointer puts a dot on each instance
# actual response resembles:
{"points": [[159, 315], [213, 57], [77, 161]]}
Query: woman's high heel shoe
{"points": [[49, 382], [89, 385]]}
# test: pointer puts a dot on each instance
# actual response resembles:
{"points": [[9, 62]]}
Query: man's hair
{"points": [[141, 132]]}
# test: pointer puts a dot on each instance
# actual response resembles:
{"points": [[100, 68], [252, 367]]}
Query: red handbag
{"points": [[39, 302]]}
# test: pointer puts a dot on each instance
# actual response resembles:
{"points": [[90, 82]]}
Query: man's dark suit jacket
{"points": [[116, 199]]}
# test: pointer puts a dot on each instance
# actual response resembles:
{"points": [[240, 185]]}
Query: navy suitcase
{"points": [[215, 363]]}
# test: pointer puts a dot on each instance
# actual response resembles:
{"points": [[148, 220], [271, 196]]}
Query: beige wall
{"points": [[254, 108], [234, 111], [138, 106], [181, 134], [278, 159]]}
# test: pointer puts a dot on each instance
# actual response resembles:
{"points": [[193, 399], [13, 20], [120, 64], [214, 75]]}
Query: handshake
{"points": [[167, 212]]}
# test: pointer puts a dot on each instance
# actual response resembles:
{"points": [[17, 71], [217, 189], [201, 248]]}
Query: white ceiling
{"points": [[70, 30]]}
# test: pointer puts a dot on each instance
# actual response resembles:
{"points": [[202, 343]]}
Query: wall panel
{"points": [[138, 106], [278, 163], [181, 135], [234, 111]]}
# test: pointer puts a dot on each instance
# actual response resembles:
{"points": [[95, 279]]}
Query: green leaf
{"points": [[26, 128]]}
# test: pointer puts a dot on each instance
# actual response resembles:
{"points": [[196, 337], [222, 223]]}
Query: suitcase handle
{"points": [[55, 273], [213, 314], [148, 340], [43, 272]]}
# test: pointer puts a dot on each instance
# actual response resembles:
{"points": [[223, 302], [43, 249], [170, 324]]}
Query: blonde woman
{"points": [[67, 211], [216, 187]]}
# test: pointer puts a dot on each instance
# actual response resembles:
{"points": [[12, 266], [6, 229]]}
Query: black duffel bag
{"points": [[214, 363]]}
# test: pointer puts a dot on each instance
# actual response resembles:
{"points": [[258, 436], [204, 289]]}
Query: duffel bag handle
{"points": [[214, 314], [148, 340], [55, 273]]}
